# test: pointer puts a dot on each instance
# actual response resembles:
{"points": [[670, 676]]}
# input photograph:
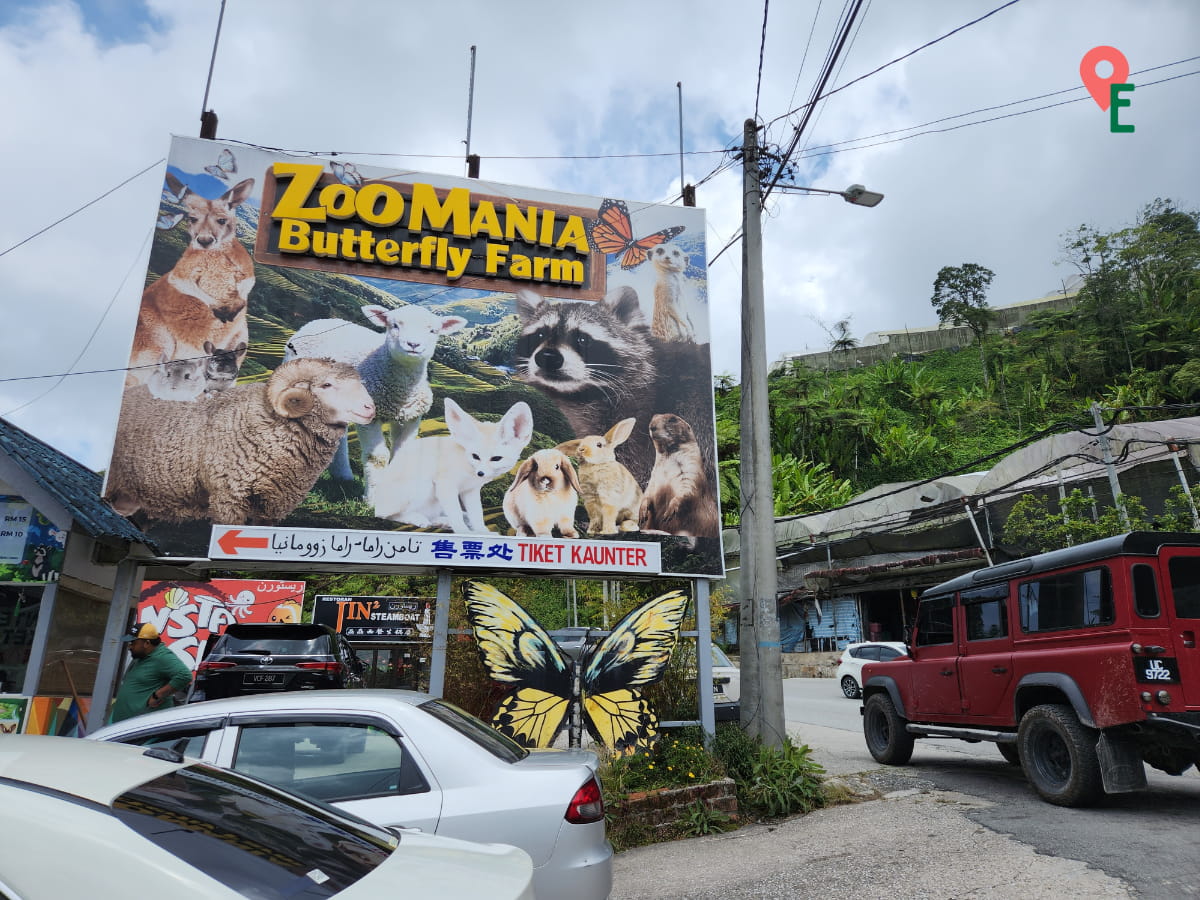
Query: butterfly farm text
{"points": [[421, 233]]}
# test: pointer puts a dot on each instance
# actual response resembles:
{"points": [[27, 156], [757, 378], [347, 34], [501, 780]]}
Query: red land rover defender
{"points": [[1080, 664]]}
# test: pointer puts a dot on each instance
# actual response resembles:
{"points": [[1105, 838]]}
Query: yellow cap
{"points": [[145, 632]]}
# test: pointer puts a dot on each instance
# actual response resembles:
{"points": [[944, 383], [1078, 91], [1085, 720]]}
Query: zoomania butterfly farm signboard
{"points": [[339, 364]]}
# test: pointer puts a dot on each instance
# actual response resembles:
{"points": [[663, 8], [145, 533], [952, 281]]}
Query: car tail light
{"points": [[207, 666], [587, 805], [320, 666]]}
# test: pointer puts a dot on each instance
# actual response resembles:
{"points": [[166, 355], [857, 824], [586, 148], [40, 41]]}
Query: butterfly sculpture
{"points": [[612, 232], [516, 651], [346, 173], [226, 165]]}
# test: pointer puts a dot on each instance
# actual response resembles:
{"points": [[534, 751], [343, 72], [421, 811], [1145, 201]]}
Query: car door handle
{"points": [[999, 670], [947, 672]]}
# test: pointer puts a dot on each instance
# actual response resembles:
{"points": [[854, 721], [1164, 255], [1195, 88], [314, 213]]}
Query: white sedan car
{"points": [[82, 819], [855, 656], [727, 686], [399, 758]]}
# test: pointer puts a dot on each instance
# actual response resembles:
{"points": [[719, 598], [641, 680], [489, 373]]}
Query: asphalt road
{"points": [[957, 822]]}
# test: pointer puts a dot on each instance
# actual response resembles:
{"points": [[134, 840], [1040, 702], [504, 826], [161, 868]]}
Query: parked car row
{"points": [[128, 820], [400, 759]]}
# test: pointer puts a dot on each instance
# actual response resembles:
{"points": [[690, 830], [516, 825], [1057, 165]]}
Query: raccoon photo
{"points": [[599, 363]]}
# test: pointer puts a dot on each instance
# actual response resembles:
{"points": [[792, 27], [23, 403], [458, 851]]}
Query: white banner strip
{"points": [[412, 548]]}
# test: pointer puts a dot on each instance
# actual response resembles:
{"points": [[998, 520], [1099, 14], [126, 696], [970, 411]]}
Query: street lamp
{"points": [[758, 632], [856, 193]]}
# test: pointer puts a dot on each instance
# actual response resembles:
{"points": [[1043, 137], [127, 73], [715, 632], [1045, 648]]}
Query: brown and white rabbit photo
{"points": [[609, 491], [543, 496]]}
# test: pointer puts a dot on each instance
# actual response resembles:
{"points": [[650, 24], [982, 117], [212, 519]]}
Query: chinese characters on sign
{"points": [[419, 549], [364, 619]]}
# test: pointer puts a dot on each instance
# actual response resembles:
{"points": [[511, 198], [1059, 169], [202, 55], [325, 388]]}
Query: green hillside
{"points": [[1132, 343]]}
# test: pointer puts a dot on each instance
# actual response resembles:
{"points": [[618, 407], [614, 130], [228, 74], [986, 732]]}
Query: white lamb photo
{"points": [[394, 367]]}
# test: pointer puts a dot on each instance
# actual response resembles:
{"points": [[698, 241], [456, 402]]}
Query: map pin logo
{"points": [[1099, 87]]}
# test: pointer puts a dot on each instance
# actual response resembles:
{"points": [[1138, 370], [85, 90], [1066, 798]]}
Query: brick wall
{"points": [[662, 808]]}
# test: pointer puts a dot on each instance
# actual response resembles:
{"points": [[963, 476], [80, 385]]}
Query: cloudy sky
{"points": [[585, 101]]}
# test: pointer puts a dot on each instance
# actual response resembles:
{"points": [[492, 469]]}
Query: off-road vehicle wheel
{"points": [[1059, 756], [1010, 754], [885, 732], [850, 687]]}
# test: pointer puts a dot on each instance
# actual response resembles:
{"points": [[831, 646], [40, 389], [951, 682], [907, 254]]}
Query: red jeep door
{"points": [[935, 661], [985, 667], [1182, 602]]}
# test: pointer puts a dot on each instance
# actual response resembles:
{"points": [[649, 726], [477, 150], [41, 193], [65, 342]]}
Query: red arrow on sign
{"points": [[232, 541]]}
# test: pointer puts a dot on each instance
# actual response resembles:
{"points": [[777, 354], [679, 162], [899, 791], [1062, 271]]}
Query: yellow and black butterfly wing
{"points": [[621, 720], [531, 717], [516, 650], [633, 655]]}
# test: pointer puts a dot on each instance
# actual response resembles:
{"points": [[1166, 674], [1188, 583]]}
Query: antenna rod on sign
{"points": [[686, 190], [472, 166], [208, 118]]}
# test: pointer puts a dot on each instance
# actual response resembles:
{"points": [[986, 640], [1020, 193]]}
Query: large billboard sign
{"points": [[365, 357]]}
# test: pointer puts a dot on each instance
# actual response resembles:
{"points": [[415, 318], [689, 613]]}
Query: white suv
{"points": [[849, 673]]}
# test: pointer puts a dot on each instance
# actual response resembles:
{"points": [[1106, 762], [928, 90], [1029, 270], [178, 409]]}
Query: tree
{"points": [[960, 298], [841, 341]]}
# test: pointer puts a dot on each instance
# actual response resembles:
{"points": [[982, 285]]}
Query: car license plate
{"points": [[262, 679]]}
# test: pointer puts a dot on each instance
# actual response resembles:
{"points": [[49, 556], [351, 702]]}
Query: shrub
{"points": [[702, 819], [674, 762], [783, 781]]}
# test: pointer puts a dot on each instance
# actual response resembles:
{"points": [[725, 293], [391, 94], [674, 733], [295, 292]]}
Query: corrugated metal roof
{"points": [[75, 487]]}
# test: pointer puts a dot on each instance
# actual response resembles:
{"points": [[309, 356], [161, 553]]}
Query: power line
{"points": [[91, 337], [762, 52], [898, 59], [826, 74], [984, 121], [85, 206]]}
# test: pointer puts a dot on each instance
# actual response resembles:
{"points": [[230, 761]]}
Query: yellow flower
{"points": [[691, 775], [652, 765]]}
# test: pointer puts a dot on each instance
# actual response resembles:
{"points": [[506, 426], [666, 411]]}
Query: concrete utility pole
{"points": [[1106, 449], [758, 634]]}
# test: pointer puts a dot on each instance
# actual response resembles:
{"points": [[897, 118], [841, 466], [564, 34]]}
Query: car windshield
{"points": [[259, 842], [719, 658], [275, 646], [481, 733]]}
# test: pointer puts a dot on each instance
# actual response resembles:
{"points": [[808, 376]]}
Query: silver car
{"points": [[403, 759], [127, 822]]}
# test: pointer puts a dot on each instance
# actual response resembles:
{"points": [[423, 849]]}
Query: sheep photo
{"points": [[297, 392]]}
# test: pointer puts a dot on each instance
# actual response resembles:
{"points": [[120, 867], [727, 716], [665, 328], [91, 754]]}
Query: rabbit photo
{"points": [[610, 493], [543, 496]]}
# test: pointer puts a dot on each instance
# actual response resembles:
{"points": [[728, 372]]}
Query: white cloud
{"points": [[85, 112]]}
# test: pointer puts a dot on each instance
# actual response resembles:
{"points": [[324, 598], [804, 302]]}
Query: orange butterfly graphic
{"points": [[612, 232]]}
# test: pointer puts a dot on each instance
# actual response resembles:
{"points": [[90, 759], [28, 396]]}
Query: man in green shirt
{"points": [[153, 677]]}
